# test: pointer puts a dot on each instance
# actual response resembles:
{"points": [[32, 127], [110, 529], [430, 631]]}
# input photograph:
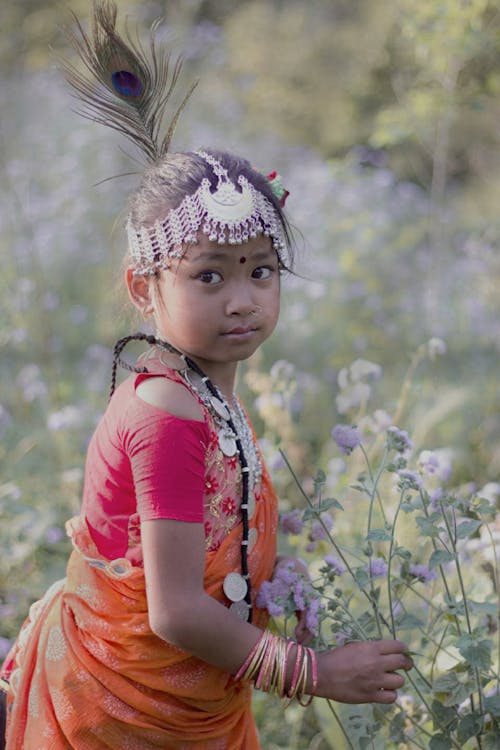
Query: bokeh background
{"points": [[383, 120]]}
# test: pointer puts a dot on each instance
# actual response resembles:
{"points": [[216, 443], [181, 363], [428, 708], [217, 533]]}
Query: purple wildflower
{"points": [[69, 417], [298, 594], [312, 616], [275, 610], [291, 522], [54, 535], [346, 437], [422, 572], [438, 463], [318, 530], [335, 565], [377, 567], [409, 480], [398, 440], [435, 497]]}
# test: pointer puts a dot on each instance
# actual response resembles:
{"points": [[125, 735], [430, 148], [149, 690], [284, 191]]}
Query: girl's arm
{"points": [[182, 613]]}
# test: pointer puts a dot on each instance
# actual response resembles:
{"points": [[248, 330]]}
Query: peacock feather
{"points": [[120, 85]]}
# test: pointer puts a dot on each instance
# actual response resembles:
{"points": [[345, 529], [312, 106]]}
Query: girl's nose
{"points": [[240, 302]]}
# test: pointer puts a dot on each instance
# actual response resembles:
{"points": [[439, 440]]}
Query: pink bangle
{"points": [[241, 671], [263, 678], [314, 671], [298, 661]]}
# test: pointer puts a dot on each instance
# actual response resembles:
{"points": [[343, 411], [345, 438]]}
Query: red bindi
{"points": [[243, 259]]}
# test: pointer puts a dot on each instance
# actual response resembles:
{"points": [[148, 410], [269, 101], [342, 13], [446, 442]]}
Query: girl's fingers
{"points": [[392, 647], [302, 634], [392, 662], [392, 681], [384, 696]]}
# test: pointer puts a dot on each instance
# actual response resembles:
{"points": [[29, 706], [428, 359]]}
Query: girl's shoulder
{"points": [[163, 387], [170, 395]]}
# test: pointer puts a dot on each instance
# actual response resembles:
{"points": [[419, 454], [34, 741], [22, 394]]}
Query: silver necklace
{"points": [[223, 413]]}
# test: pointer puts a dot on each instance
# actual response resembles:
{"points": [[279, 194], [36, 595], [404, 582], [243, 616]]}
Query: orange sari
{"points": [[88, 673]]}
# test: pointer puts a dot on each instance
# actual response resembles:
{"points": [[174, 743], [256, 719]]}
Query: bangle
{"points": [[292, 690], [281, 684], [302, 681], [267, 665], [314, 661]]}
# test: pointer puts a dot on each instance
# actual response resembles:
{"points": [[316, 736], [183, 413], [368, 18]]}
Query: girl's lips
{"points": [[239, 331]]}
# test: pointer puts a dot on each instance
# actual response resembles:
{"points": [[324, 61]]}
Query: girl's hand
{"points": [[302, 634], [363, 672]]}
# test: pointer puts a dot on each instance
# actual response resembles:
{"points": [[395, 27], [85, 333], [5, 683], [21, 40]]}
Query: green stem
{"points": [[374, 480], [431, 713], [339, 722], [334, 544], [440, 567], [466, 609], [389, 564], [311, 505]]}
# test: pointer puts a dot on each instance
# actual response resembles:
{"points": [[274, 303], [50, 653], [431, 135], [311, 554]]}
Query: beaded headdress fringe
{"points": [[228, 215]]}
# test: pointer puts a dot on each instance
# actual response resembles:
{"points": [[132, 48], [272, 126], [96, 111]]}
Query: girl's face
{"points": [[219, 302]]}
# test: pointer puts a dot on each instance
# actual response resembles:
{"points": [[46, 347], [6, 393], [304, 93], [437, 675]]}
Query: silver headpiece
{"points": [[228, 215]]}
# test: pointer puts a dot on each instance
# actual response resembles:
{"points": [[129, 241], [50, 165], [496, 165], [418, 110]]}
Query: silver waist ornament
{"points": [[231, 214]]}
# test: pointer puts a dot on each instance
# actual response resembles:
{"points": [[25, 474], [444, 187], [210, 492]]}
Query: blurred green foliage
{"points": [[383, 120]]}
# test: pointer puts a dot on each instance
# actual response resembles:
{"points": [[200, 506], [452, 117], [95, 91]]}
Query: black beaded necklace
{"points": [[214, 391]]}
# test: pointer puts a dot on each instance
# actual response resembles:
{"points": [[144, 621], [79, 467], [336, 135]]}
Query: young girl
{"points": [[154, 639]]}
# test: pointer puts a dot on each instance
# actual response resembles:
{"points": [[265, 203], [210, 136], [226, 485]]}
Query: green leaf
{"points": [[492, 705], [469, 726], [450, 690], [403, 552], [397, 727], [440, 742], [439, 557], [445, 717], [486, 608], [477, 652], [362, 578], [445, 683], [360, 488], [408, 621], [378, 535], [428, 527], [319, 479], [329, 502], [466, 528]]}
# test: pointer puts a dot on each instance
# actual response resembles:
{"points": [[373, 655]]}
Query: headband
{"points": [[232, 214]]}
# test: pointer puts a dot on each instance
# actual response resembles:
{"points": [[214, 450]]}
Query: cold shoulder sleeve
{"points": [[167, 460]]}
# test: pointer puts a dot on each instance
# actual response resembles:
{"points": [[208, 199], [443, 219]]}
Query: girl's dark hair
{"points": [[165, 184]]}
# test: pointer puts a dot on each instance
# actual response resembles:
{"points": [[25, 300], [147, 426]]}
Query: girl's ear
{"points": [[139, 291]]}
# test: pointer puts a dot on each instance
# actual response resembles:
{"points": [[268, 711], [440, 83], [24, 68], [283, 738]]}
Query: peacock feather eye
{"points": [[126, 83]]}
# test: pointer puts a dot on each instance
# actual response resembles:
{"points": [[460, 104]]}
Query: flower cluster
{"points": [[415, 566], [290, 592]]}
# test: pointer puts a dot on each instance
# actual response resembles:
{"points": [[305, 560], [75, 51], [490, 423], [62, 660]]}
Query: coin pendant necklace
{"points": [[236, 586]]}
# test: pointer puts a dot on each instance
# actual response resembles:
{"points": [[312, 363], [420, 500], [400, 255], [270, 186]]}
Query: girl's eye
{"points": [[209, 277], [262, 272]]}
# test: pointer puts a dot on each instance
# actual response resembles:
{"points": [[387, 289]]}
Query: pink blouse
{"points": [[144, 464]]}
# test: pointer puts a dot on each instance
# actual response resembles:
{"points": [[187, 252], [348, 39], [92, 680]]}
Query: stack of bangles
{"points": [[267, 666]]}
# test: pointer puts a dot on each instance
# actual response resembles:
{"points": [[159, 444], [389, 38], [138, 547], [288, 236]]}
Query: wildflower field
{"points": [[377, 400]]}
